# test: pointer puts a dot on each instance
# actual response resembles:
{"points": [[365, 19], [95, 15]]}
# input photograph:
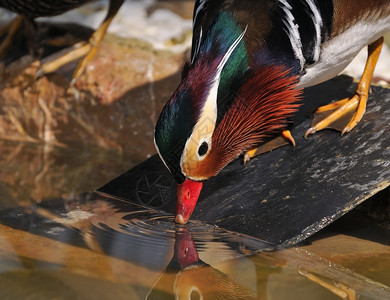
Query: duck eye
{"points": [[204, 147]]}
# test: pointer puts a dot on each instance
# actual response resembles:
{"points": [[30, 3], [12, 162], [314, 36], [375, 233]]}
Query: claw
{"points": [[286, 134], [249, 154], [311, 130]]}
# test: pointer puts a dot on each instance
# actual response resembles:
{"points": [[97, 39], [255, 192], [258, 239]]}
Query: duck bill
{"points": [[187, 196], [185, 248]]}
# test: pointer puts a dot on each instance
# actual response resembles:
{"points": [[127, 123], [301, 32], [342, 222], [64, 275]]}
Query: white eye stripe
{"points": [[211, 101], [205, 125]]}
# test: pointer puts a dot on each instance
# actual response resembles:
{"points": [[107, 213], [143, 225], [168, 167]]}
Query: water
{"points": [[96, 238], [31, 173], [93, 246]]}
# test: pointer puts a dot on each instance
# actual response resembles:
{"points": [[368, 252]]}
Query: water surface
{"points": [[93, 246]]}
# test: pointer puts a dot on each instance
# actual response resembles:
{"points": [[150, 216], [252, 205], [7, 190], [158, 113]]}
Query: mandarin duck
{"points": [[250, 61], [31, 9]]}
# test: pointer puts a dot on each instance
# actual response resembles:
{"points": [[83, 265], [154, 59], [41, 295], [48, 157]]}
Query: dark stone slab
{"points": [[286, 195]]}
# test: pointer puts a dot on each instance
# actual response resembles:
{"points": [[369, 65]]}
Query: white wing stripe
{"points": [[198, 9], [317, 21], [197, 46], [211, 101], [293, 32]]}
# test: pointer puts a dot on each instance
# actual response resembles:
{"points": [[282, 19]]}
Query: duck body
{"points": [[250, 60], [355, 25], [37, 8]]}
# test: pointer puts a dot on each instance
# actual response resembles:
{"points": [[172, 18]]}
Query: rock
{"points": [[118, 97], [183, 8]]}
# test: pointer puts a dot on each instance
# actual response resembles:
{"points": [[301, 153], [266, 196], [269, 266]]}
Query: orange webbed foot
{"points": [[337, 114], [9, 31], [284, 139], [88, 50]]}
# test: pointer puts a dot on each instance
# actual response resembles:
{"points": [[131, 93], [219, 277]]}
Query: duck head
{"points": [[223, 107]]}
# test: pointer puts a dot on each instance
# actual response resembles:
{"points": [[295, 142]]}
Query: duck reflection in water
{"points": [[193, 278]]}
